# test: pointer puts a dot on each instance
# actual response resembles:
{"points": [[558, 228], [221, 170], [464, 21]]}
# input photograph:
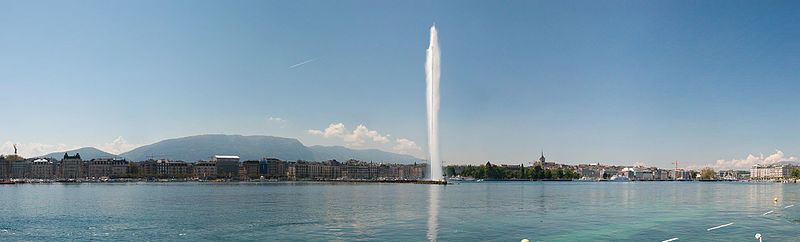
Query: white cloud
{"points": [[357, 137], [751, 160], [406, 146], [302, 63], [334, 130], [118, 146], [32, 149], [362, 134], [279, 121]]}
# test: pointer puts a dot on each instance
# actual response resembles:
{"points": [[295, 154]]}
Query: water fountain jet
{"points": [[432, 78]]}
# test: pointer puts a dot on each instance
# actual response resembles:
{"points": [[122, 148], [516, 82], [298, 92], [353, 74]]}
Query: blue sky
{"points": [[587, 81]]}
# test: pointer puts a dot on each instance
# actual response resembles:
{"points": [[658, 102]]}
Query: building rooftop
{"points": [[226, 157]]}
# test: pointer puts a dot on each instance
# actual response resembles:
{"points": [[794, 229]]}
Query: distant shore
{"points": [[443, 182], [41, 181]]}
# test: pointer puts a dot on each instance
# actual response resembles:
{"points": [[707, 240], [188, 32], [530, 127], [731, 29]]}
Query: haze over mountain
{"points": [[203, 147], [87, 153]]}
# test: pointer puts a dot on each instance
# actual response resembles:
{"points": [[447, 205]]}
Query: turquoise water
{"points": [[487, 211]]}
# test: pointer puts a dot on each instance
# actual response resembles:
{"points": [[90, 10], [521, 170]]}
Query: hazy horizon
{"points": [[703, 83]]}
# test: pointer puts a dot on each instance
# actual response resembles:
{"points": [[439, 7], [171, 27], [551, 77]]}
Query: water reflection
{"points": [[433, 212]]}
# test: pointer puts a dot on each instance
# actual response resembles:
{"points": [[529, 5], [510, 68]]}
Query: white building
{"points": [[770, 171], [42, 169]]}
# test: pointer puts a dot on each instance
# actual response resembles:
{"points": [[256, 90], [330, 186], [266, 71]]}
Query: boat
{"points": [[7, 182], [459, 178], [617, 178]]}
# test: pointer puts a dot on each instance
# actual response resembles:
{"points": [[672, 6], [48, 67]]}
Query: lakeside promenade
{"points": [[72, 168]]}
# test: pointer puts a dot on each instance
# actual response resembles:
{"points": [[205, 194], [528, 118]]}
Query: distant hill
{"points": [[87, 153], [203, 147]]}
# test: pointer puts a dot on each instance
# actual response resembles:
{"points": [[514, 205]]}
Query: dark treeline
{"points": [[493, 172]]}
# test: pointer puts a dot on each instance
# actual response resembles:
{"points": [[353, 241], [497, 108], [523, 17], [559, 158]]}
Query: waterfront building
{"points": [[661, 174], [71, 167], [262, 166], [331, 169], [638, 173], [98, 167], [227, 165], [172, 169], [21, 169], [303, 170], [6, 165], [358, 170], [542, 162], [729, 175], [204, 170], [593, 171], [276, 169], [770, 171], [163, 168], [250, 169], [680, 174], [411, 172], [42, 169], [147, 168], [119, 168], [5, 168], [352, 169]]}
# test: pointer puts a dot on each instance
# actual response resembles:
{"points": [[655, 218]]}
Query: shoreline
{"points": [[38, 181], [423, 182]]}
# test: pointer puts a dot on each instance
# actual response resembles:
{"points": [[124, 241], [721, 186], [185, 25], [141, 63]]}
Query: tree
{"points": [[795, 173], [707, 174], [450, 171], [13, 158], [538, 173]]}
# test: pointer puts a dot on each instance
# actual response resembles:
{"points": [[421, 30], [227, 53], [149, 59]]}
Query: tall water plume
{"points": [[432, 78]]}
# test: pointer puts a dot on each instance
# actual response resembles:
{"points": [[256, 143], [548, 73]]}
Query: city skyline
{"points": [[644, 82]]}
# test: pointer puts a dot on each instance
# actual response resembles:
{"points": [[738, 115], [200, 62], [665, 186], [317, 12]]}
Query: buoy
{"points": [[525, 240], [758, 237], [775, 199]]}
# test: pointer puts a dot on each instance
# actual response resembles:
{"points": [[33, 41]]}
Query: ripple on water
{"points": [[469, 211]]}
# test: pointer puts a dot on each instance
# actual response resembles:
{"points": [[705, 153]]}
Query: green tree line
{"points": [[492, 172]]}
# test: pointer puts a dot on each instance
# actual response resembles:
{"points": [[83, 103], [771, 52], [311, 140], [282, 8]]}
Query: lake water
{"points": [[486, 211]]}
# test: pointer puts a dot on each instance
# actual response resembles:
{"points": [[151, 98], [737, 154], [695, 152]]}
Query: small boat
{"points": [[479, 180], [460, 178], [617, 178], [7, 182]]}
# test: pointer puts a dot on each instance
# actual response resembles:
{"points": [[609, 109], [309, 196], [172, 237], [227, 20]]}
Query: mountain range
{"points": [[255, 147]]}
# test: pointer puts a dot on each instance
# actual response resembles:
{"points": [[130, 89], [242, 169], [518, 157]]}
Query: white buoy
{"points": [[525, 240], [758, 237]]}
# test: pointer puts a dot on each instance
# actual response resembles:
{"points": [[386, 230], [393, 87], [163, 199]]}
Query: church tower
{"points": [[541, 159]]}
